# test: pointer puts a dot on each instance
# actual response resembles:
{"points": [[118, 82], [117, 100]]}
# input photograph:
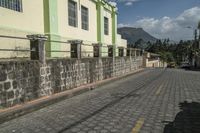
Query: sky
{"points": [[174, 19]]}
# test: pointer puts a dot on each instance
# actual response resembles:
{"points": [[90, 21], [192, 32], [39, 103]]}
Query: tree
{"points": [[139, 44]]}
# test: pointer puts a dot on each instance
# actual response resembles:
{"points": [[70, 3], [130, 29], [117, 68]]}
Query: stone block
{"points": [[17, 93], [3, 76], [11, 75], [30, 73], [48, 70], [42, 79], [18, 74], [47, 78], [7, 85], [23, 83], [57, 83], [9, 67], [14, 84], [49, 84], [42, 71], [10, 94], [1, 88], [25, 73]]}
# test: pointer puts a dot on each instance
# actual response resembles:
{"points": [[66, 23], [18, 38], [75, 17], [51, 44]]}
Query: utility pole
{"points": [[199, 35]]}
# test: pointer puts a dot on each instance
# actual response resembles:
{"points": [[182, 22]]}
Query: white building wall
{"points": [[121, 43], [108, 38], [20, 24], [70, 32]]}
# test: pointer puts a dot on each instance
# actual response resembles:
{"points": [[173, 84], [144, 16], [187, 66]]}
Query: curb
{"points": [[19, 110]]}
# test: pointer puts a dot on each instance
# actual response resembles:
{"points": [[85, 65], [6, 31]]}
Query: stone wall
{"points": [[19, 82], [22, 81]]}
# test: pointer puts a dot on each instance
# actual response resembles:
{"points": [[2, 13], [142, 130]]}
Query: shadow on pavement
{"points": [[192, 69], [187, 120]]}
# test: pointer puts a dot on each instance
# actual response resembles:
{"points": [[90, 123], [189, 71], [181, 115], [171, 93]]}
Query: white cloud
{"points": [[113, 3], [129, 3], [126, 2], [173, 28], [188, 17], [124, 25]]}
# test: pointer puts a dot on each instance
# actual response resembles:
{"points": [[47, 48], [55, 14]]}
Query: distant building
{"points": [[152, 60], [92, 21]]}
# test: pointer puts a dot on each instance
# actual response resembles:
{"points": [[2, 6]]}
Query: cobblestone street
{"points": [[152, 101]]}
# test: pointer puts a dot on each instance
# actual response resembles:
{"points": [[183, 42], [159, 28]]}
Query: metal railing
{"points": [[36, 42]]}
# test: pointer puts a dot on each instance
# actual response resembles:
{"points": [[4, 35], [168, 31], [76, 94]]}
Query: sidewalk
{"points": [[19, 110]]}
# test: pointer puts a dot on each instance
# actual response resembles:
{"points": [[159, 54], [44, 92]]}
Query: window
{"points": [[106, 26], [74, 51], [110, 51], [72, 13], [128, 53], [96, 49], [15, 5], [84, 17]]}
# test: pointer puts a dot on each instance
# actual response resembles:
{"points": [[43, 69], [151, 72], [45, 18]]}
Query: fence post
{"points": [[135, 53], [37, 46], [76, 48], [97, 52], [114, 60], [130, 53]]}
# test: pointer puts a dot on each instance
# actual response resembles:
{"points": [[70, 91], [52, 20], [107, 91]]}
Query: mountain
{"points": [[134, 34]]}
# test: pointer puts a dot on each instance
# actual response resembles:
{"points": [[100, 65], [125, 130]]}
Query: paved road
{"points": [[153, 101]]}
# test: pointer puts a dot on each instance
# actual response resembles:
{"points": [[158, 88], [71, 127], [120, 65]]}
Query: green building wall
{"points": [[52, 31], [51, 27]]}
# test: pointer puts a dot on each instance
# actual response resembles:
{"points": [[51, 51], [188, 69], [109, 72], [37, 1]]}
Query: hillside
{"points": [[133, 34]]}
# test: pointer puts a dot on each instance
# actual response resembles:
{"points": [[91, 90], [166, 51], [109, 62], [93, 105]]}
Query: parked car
{"points": [[185, 65]]}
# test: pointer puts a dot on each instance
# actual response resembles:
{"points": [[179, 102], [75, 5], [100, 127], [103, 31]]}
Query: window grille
{"points": [[84, 18], [106, 26], [15, 5], [72, 13]]}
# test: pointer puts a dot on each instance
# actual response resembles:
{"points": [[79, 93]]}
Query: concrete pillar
{"points": [[135, 53], [111, 50], [37, 43], [100, 21], [130, 55]]}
